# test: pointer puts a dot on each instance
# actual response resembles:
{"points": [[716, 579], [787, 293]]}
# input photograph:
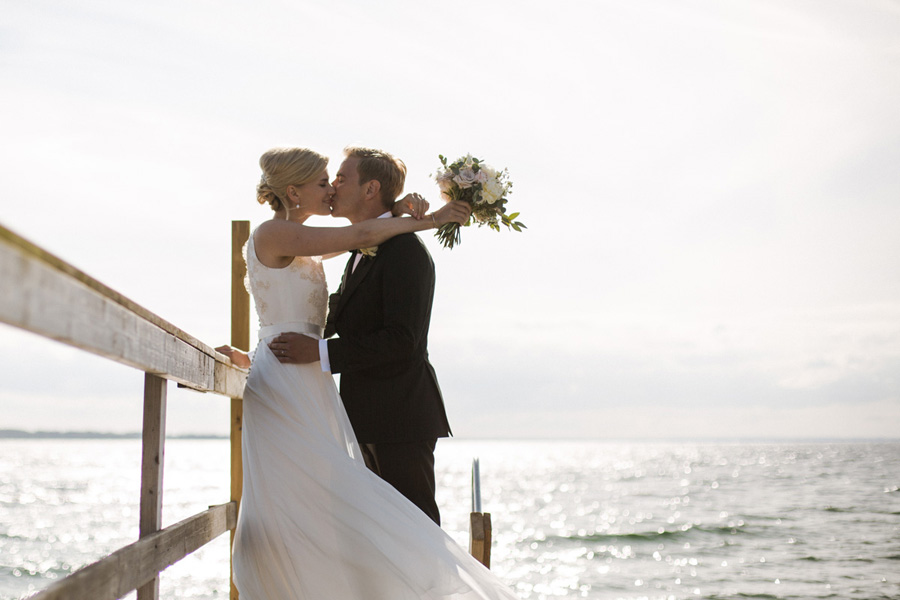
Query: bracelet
{"points": [[433, 221]]}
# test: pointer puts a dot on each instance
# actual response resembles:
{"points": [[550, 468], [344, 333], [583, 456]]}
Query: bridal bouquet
{"points": [[483, 187]]}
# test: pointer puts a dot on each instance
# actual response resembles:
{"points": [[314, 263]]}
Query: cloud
{"points": [[709, 188], [675, 421], [847, 360]]}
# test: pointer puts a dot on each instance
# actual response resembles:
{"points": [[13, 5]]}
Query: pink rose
{"points": [[466, 178]]}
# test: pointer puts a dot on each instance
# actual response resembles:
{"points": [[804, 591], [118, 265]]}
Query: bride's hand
{"points": [[238, 358], [411, 204], [456, 211]]}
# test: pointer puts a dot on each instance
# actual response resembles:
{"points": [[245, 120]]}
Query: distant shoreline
{"points": [[17, 434]]}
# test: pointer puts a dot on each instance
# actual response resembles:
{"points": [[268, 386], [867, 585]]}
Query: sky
{"points": [[711, 190]]}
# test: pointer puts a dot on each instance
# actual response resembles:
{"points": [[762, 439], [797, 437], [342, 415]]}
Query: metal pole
{"points": [[476, 486]]}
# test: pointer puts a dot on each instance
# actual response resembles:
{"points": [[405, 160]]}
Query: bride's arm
{"points": [[238, 357], [413, 205], [285, 238]]}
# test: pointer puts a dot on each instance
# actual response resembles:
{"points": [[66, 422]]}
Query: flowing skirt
{"points": [[315, 523]]}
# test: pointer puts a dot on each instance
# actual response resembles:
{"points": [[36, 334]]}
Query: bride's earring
{"points": [[297, 196]]}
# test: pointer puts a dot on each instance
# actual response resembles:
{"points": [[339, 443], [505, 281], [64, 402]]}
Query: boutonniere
{"points": [[370, 252]]}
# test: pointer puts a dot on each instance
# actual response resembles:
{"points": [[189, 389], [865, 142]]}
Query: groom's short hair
{"points": [[381, 166]]}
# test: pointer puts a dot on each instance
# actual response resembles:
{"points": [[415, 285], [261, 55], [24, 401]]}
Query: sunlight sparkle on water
{"points": [[570, 519]]}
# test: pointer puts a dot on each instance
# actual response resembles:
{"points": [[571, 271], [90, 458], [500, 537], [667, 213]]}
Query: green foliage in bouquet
{"points": [[484, 188]]}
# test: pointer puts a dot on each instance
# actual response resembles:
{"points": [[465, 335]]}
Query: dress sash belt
{"points": [[291, 326]]}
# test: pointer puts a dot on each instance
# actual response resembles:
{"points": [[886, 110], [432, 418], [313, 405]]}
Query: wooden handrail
{"points": [[43, 294]]}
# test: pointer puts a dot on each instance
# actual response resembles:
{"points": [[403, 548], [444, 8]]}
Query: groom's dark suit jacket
{"points": [[381, 314]]}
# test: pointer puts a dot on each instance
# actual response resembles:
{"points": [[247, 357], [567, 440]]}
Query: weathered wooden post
{"points": [[480, 537], [152, 461], [479, 522], [240, 338]]}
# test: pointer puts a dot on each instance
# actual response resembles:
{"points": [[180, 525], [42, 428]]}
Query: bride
{"points": [[315, 522]]}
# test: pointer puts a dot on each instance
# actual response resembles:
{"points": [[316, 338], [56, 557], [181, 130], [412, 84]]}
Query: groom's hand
{"points": [[295, 348]]}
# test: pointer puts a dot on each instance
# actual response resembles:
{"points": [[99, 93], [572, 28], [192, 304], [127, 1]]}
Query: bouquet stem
{"points": [[449, 234]]}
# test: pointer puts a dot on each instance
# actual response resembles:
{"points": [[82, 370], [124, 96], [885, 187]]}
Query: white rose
{"points": [[491, 191], [489, 171], [465, 179]]}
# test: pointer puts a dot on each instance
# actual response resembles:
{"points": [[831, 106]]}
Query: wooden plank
{"points": [[240, 298], [240, 338], [480, 537], [228, 380], [136, 564], [237, 477], [53, 299], [153, 453], [152, 462], [26, 248]]}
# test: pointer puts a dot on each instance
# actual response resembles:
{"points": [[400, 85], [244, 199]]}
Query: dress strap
{"points": [[291, 326]]}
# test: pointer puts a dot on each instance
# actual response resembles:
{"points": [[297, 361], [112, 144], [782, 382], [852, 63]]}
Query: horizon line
{"points": [[58, 434]]}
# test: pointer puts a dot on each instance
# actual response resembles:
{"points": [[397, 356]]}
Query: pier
{"points": [[45, 295]]}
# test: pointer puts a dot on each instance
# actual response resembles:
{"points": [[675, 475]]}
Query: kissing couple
{"points": [[338, 493]]}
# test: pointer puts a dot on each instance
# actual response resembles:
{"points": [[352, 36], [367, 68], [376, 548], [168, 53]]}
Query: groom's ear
{"points": [[372, 188]]}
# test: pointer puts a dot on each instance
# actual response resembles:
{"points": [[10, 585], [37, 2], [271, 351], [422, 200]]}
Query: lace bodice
{"points": [[296, 293]]}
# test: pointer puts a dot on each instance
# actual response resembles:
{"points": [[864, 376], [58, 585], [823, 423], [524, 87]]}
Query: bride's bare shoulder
{"points": [[269, 241], [274, 230], [273, 226]]}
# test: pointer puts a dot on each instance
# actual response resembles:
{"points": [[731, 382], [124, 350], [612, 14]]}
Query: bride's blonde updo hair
{"points": [[282, 167]]}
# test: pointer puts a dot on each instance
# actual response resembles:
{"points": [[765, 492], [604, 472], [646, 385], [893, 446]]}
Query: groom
{"points": [[381, 314]]}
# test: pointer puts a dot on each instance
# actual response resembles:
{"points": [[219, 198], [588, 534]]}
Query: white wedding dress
{"points": [[314, 522]]}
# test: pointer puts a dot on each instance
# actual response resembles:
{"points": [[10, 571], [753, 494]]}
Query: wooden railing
{"points": [[45, 295]]}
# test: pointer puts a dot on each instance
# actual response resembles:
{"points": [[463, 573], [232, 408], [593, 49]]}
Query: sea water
{"points": [[572, 519]]}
